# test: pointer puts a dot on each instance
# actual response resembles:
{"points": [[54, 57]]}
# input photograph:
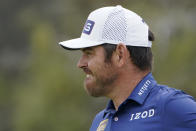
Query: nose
{"points": [[82, 62]]}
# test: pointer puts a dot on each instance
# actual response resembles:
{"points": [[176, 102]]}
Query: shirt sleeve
{"points": [[180, 113]]}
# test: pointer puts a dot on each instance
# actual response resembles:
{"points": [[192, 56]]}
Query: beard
{"points": [[100, 82]]}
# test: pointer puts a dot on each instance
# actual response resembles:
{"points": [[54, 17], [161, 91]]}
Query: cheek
{"points": [[105, 71], [95, 65]]}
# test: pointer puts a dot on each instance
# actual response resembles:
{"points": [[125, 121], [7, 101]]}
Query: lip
{"points": [[87, 71]]}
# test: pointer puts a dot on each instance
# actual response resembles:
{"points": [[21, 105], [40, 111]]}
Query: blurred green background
{"points": [[41, 88]]}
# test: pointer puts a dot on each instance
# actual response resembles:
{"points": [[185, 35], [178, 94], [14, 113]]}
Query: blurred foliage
{"points": [[40, 87]]}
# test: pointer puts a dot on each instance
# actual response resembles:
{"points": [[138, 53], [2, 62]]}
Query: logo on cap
{"points": [[88, 27]]}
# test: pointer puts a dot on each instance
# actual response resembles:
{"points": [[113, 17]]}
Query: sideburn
{"points": [[108, 51]]}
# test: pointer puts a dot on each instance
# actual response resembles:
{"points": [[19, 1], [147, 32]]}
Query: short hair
{"points": [[141, 57]]}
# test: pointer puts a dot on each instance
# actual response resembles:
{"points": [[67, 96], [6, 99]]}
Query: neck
{"points": [[124, 86]]}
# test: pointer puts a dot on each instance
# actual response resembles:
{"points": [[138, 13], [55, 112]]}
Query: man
{"points": [[117, 59]]}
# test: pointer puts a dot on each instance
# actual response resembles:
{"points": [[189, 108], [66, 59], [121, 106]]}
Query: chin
{"points": [[92, 91]]}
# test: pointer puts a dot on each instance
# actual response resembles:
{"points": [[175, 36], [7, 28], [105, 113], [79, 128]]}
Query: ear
{"points": [[121, 54]]}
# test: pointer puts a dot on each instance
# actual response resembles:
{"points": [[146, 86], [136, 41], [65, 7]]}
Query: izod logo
{"points": [[142, 115]]}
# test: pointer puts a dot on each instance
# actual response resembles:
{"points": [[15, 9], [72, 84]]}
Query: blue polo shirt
{"points": [[150, 107]]}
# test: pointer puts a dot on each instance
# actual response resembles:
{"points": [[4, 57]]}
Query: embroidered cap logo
{"points": [[88, 27]]}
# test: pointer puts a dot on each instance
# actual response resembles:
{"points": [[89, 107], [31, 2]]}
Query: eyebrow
{"points": [[87, 49]]}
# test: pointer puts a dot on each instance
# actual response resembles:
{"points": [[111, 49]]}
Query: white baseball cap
{"points": [[112, 25]]}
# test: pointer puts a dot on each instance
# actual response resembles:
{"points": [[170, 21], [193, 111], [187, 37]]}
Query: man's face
{"points": [[99, 75]]}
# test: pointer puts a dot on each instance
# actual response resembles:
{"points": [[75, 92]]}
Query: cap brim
{"points": [[78, 43]]}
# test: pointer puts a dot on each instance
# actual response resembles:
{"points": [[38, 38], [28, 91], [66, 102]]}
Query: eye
{"points": [[88, 53]]}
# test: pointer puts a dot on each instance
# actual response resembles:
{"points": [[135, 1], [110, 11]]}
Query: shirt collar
{"points": [[139, 93], [143, 88]]}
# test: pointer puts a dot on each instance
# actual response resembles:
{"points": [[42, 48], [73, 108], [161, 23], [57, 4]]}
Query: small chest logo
{"points": [[142, 115], [102, 125], [88, 27]]}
